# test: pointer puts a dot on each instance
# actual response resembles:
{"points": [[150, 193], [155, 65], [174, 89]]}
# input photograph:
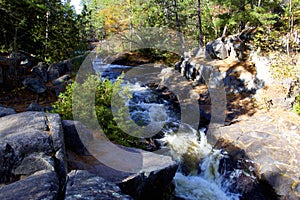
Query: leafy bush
{"points": [[284, 66], [296, 106], [103, 90]]}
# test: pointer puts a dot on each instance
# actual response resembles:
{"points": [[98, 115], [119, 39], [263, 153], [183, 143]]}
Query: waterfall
{"points": [[198, 177]]}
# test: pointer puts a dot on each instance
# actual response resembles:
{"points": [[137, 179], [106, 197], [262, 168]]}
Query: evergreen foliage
{"points": [[49, 29], [102, 108]]}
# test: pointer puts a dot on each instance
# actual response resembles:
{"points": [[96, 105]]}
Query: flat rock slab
{"points": [[84, 185], [272, 141]]}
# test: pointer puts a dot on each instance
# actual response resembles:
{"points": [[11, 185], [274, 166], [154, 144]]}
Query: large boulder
{"points": [[40, 71], [31, 156], [151, 183], [216, 49], [58, 69], [85, 185]]}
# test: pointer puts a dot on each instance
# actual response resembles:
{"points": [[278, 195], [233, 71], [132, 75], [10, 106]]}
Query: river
{"points": [[200, 175]]}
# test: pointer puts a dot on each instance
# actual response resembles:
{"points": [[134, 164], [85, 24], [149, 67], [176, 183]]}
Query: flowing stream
{"points": [[198, 176]]}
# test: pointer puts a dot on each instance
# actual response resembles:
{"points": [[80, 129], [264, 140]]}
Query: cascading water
{"points": [[198, 176]]}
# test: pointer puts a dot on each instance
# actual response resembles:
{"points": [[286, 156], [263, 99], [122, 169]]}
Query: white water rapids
{"points": [[187, 146]]}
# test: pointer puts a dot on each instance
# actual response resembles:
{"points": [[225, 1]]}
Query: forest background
{"points": [[53, 31]]}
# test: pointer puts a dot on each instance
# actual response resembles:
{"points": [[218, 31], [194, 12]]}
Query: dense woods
{"points": [[49, 29], [53, 31]]}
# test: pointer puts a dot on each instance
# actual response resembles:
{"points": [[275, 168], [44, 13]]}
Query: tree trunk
{"points": [[201, 43], [15, 39], [291, 18], [130, 35], [130, 25], [4, 37], [224, 31], [47, 33], [179, 28], [259, 3]]}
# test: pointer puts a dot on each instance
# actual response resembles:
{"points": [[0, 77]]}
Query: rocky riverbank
{"points": [[36, 149], [259, 123]]}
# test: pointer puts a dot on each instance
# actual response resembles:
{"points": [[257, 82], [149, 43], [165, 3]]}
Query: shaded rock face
{"points": [[217, 50], [43, 184], [35, 107], [148, 186], [6, 111], [58, 69], [72, 139], [40, 71], [32, 156], [7, 159], [83, 185], [35, 85]]}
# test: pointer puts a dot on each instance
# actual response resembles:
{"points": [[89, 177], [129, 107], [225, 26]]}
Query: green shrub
{"points": [[296, 106], [86, 109]]}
